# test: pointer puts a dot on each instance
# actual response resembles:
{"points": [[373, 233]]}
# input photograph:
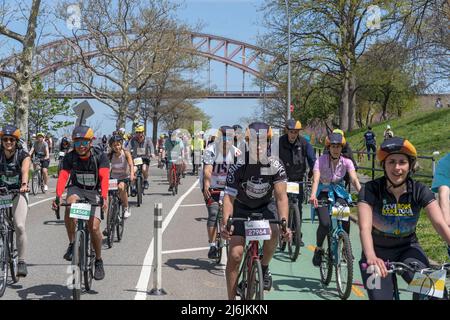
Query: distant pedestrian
{"points": [[388, 133], [438, 103], [371, 143]]}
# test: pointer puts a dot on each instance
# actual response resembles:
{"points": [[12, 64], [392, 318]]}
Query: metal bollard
{"points": [[157, 261]]}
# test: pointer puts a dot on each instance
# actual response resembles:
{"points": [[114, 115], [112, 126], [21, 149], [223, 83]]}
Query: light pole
{"points": [[289, 61]]}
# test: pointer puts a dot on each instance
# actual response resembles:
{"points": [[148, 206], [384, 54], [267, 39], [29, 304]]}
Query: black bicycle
{"points": [[37, 180], [220, 242], [116, 219], [83, 257], [8, 248], [139, 184]]}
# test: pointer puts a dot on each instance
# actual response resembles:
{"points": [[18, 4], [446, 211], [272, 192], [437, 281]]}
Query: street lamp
{"points": [[289, 62]]}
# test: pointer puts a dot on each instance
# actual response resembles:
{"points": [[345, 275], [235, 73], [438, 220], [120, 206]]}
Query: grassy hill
{"points": [[428, 132]]}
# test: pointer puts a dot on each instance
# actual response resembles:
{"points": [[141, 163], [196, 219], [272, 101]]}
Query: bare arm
{"points": [[25, 169], [281, 200], [130, 164], [437, 220], [228, 202], [355, 180], [444, 202], [207, 172], [315, 186]]}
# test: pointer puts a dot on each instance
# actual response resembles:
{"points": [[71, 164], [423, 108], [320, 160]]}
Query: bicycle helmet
{"points": [[40, 134], [139, 129], [104, 139], [65, 140], [339, 131], [82, 132], [291, 124], [223, 132], [10, 130], [335, 138], [115, 138], [260, 129]]}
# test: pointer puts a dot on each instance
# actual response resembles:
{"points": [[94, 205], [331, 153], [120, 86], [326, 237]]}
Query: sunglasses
{"points": [[80, 143], [9, 140]]}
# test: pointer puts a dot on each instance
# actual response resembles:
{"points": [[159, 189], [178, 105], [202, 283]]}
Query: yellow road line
{"points": [[311, 248], [357, 292]]}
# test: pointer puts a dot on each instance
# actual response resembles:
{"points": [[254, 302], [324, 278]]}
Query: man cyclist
{"points": [[141, 146], [296, 152], [174, 154], [249, 189], [161, 151], [87, 170], [41, 151], [14, 167], [388, 133], [217, 159]]}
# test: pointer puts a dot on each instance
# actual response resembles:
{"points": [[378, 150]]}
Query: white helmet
{"points": [[388, 126], [122, 130]]}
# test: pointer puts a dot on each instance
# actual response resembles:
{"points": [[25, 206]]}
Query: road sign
{"points": [[83, 111]]}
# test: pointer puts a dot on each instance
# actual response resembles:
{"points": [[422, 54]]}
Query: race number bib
{"points": [[62, 154], [140, 151], [257, 230], [293, 187], [431, 285], [341, 213], [138, 161], [112, 184], [6, 202], [86, 179], [80, 211]]}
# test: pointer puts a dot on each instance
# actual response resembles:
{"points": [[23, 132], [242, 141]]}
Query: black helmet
{"points": [[115, 138], [65, 140]]}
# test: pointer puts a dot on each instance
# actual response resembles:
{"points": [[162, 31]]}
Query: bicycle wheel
{"points": [[344, 266], [173, 181], [281, 243], [255, 287], [219, 246], [77, 261], [120, 222], [326, 266], [35, 182], [13, 256], [3, 263], [88, 273], [295, 225], [110, 225], [139, 190], [41, 181]]}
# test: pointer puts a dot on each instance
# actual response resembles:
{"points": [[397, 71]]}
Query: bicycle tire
{"points": [[110, 222], [41, 181], [34, 182], [78, 252], [120, 222], [281, 243], [295, 224], [219, 246], [173, 182], [13, 256], [3, 263], [326, 266], [139, 190], [88, 273], [57, 213], [345, 263], [255, 282]]}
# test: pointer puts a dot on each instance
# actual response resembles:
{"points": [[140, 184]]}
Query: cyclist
{"points": [[249, 189], [122, 169], [295, 152], [41, 151], [388, 133], [328, 183], [389, 209], [14, 167], [103, 146], [64, 145], [141, 146], [161, 151], [88, 171], [371, 142], [441, 184], [217, 159], [174, 153], [49, 140], [197, 151]]}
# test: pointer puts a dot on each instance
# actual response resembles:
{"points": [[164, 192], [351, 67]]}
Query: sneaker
{"points": [[68, 255], [267, 280], [133, 192], [240, 289], [22, 269], [212, 254], [170, 189], [145, 184], [45, 187], [99, 273], [126, 213], [317, 258]]}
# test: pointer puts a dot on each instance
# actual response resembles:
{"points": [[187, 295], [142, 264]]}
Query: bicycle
{"points": [[83, 256], [37, 177], [307, 188], [251, 279], [8, 248], [174, 178], [294, 222], [139, 186], [337, 250], [116, 219], [220, 242], [397, 268]]}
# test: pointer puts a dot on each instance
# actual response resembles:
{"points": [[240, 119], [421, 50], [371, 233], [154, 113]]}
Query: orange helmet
{"points": [[259, 129], [82, 132], [10, 130], [396, 145]]}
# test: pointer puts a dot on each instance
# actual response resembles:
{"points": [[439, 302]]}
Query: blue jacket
{"points": [[334, 191]]}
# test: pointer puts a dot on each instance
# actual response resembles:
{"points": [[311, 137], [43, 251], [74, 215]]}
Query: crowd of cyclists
{"points": [[252, 167]]}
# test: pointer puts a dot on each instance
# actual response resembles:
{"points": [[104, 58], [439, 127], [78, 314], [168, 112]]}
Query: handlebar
{"points": [[6, 191], [398, 267], [257, 216]]}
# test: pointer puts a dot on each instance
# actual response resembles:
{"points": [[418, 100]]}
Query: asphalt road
{"points": [[187, 273]]}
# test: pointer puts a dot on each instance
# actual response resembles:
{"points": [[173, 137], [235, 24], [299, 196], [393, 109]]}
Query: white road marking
{"points": [[147, 265], [38, 202], [185, 250], [193, 205]]}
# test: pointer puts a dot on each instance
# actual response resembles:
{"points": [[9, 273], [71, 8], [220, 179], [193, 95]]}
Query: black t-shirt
{"points": [[84, 173], [252, 184], [11, 169], [370, 137], [394, 219]]}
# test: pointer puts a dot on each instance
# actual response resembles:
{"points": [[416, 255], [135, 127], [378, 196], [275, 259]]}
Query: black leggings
{"points": [[408, 253], [325, 220]]}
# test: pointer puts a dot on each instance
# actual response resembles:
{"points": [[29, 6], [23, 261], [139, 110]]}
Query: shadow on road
{"points": [[305, 285], [54, 223], [46, 292], [195, 264]]}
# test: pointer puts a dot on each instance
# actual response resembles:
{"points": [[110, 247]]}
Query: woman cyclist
{"points": [[389, 209], [14, 168], [122, 169], [329, 172]]}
